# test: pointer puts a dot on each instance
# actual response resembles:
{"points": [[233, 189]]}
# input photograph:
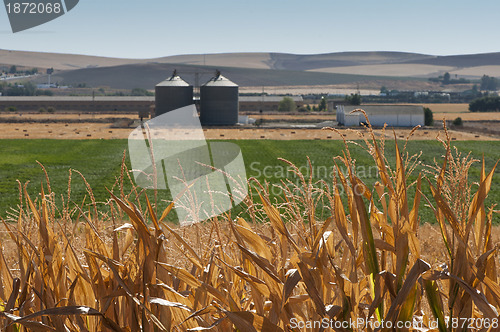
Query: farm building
{"points": [[219, 102], [265, 103], [171, 94], [378, 115]]}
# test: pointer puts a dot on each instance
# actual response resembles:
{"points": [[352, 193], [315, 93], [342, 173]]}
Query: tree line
{"points": [[487, 83], [14, 70], [488, 103], [25, 89], [287, 104]]}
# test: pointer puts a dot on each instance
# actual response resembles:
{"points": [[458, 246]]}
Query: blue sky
{"points": [[154, 28]]}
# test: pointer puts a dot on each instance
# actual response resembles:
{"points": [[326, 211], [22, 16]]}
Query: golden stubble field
{"points": [[104, 131], [104, 126]]}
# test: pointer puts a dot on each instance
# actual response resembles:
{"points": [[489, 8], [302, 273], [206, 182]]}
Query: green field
{"points": [[100, 162]]}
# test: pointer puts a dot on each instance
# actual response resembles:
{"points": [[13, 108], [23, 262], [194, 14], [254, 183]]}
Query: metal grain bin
{"points": [[171, 94], [219, 102]]}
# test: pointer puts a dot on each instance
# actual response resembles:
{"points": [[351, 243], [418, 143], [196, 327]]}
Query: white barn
{"points": [[392, 115]]}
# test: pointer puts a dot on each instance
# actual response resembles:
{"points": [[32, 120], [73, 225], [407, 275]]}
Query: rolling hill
{"points": [[148, 75], [60, 61], [256, 69]]}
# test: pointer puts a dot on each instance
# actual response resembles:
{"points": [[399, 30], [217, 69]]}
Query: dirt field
{"points": [[447, 108], [447, 111], [105, 131], [477, 126], [493, 116]]}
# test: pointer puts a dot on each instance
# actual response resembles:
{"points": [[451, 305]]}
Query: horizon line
{"points": [[244, 52]]}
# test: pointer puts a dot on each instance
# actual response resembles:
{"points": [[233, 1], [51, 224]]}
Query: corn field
{"points": [[76, 268]]}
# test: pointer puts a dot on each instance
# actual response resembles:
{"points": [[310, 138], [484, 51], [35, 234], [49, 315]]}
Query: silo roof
{"points": [[173, 80], [220, 80]]}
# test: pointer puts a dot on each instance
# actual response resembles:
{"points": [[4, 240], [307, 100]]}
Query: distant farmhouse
{"points": [[378, 115]]}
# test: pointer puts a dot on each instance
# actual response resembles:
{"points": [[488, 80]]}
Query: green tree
{"points": [[287, 105], [489, 83], [428, 117], [485, 104], [29, 89], [13, 69], [353, 99], [446, 78], [323, 107], [458, 122]]}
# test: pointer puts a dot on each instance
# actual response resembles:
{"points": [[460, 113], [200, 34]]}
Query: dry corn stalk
{"points": [[361, 263]]}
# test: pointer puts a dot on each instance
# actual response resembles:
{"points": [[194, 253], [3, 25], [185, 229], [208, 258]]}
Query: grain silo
{"points": [[219, 101], [171, 94]]}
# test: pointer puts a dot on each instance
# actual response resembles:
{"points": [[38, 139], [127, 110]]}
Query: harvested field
{"points": [[119, 126], [486, 127], [447, 108], [439, 113], [469, 116], [449, 111], [62, 131], [105, 131]]}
